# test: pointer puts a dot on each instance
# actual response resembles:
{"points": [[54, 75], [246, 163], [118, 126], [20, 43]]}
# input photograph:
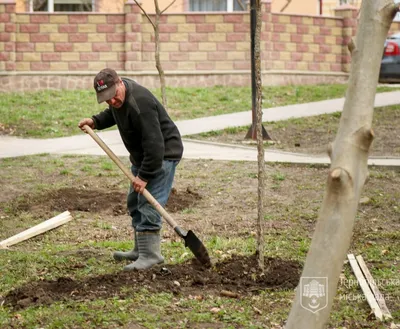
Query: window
{"points": [[217, 5], [61, 5]]}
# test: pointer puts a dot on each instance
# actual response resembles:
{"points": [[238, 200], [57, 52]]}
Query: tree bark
{"points": [[260, 139], [349, 167], [157, 55], [156, 27]]}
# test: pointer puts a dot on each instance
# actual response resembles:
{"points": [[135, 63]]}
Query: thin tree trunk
{"points": [[156, 27], [157, 55], [286, 5], [348, 172], [260, 139]]}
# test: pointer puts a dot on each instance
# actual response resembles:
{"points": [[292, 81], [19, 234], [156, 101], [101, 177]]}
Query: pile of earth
{"points": [[235, 277]]}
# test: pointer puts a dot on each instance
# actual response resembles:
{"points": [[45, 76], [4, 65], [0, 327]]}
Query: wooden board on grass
{"points": [[37, 229], [365, 287]]}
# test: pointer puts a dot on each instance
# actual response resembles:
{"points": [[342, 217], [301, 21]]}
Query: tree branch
{"points": [[162, 11], [351, 46], [395, 8], [240, 3], [286, 5], [144, 12]]}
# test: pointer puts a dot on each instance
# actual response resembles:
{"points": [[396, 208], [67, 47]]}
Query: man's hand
{"points": [[139, 185], [86, 121]]}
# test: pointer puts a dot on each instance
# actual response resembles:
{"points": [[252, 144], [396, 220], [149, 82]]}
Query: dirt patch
{"points": [[313, 135], [179, 200], [6, 130], [93, 200], [238, 275]]}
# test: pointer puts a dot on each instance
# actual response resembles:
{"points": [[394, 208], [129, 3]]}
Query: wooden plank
{"points": [[365, 287], [37, 229], [371, 282]]}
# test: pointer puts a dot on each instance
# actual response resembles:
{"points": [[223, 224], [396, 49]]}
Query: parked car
{"points": [[390, 64]]}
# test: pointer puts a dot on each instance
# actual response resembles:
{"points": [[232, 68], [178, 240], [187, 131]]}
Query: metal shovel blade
{"points": [[197, 248]]}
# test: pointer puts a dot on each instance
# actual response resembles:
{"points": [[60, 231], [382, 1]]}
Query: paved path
{"points": [[83, 144]]}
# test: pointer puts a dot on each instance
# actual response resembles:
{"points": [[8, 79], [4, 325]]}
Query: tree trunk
{"points": [[156, 27], [157, 55], [260, 139], [348, 172]]}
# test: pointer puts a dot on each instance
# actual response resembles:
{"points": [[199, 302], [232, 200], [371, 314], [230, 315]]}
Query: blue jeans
{"points": [[144, 216]]}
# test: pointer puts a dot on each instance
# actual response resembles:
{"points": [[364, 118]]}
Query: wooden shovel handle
{"points": [[131, 177]]}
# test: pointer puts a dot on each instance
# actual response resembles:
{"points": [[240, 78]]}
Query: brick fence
{"points": [[59, 50]]}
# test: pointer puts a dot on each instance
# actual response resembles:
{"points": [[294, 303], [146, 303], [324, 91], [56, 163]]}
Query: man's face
{"points": [[119, 97]]}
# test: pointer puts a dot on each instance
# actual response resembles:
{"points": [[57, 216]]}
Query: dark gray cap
{"points": [[105, 84]]}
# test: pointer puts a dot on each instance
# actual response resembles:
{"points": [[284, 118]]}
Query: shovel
{"points": [[191, 240]]}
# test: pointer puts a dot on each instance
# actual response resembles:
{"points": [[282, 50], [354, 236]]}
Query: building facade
{"points": [[40, 50], [300, 7]]}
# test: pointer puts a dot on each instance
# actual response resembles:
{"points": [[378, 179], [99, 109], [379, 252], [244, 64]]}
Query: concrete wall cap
{"points": [[309, 16]]}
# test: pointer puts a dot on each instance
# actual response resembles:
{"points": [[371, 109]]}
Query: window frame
{"points": [[230, 5], [50, 6]]}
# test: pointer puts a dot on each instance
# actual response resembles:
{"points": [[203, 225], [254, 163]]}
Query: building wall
{"points": [[177, 7], [296, 7], [213, 48], [307, 43], [117, 6], [61, 42], [299, 7]]}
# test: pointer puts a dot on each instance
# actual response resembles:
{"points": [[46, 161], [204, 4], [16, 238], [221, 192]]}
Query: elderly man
{"points": [[155, 147]]}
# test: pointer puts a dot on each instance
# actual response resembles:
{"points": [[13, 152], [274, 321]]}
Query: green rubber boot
{"points": [[128, 255], [149, 244]]}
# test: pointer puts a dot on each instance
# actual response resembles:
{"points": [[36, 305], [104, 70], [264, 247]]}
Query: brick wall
{"points": [[61, 42], [7, 36], [199, 42], [191, 43], [306, 43]]}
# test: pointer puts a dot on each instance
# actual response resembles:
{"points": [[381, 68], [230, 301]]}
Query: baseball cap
{"points": [[105, 84]]}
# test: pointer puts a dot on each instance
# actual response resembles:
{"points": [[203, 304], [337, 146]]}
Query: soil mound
{"points": [[239, 275], [93, 200]]}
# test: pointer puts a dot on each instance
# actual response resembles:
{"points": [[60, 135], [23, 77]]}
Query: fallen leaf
{"points": [[215, 310]]}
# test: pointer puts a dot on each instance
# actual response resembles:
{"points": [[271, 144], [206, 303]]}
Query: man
{"points": [[155, 147]]}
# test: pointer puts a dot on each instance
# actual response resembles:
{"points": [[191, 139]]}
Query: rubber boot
{"points": [[149, 244], [128, 255]]}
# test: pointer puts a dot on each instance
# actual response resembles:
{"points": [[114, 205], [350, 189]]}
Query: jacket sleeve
{"points": [[104, 119], [152, 139]]}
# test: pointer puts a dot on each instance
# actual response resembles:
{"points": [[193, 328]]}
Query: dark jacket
{"points": [[149, 134]]}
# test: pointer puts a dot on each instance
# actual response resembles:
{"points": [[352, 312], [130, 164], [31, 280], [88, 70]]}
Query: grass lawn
{"points": [[66, 278], [53, 113]]}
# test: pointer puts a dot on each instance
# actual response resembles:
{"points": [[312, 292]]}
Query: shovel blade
{"points": [[197, 248]]}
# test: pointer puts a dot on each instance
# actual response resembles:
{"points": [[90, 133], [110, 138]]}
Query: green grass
{"points": [[53, 113], [164, 310], [56, 113]]}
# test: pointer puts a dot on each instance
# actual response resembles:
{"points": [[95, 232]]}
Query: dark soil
{"points": [[313, 135], [93, 200], [238, 275]]}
